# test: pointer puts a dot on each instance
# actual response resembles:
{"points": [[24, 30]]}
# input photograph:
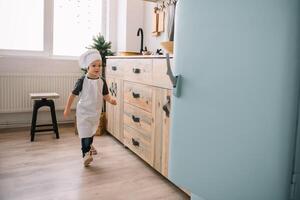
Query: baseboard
{"points": [[26, 126]]}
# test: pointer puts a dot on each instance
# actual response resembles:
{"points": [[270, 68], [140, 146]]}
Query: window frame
{"points": [[48, 35]]}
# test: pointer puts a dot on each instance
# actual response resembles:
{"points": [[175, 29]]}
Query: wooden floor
{"points": [[52, 169]]}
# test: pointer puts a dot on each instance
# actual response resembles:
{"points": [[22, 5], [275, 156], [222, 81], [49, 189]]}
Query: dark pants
{"points": [[86, 144]]}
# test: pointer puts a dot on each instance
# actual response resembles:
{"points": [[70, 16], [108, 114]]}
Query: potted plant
{"points": [[104, 49]]}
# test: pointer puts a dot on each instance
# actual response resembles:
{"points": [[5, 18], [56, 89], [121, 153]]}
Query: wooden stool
{"points": [[40, 100]]}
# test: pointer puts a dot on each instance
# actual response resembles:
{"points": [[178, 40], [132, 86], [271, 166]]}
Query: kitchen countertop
{"points": [[138, 57]]}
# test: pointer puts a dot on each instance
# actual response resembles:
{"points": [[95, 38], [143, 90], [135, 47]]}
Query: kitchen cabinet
{"points": [[162, 129], [141, 120], [114, 112]]}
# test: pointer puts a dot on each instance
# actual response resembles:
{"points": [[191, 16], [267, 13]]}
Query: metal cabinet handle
{"points": [[167, 106], [114, 68], [136, 70], [134, 142], [116, 89], [113, 89], [135, 119], [135, 95]]}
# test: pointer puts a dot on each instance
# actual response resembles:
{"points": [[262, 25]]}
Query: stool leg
{"points": [[33, 121], [53, 116]]}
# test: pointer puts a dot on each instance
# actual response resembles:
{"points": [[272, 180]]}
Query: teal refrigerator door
{"points": [[234, 126], [296, 173]]}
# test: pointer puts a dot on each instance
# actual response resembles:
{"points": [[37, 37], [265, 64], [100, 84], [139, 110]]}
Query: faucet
{"points": [[140, 30]]}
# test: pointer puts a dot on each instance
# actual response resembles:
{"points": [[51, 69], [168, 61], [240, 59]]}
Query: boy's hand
{"points": [[110, 99], [113, 102], [66, 113]]}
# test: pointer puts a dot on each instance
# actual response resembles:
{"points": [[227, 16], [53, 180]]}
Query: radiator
{"points": [[15, 89]]}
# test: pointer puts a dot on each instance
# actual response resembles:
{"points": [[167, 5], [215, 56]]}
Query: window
{"points": [[49, 27], [20, 30], [75, 23]]}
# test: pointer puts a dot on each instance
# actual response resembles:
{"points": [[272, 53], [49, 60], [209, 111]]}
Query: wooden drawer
{"points": [[139, 143], [138, 95], [160, 77], [138, 118], [115, 67], [139, 70]]}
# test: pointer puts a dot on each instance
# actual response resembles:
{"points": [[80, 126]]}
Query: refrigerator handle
{"points": [[176, 80]]}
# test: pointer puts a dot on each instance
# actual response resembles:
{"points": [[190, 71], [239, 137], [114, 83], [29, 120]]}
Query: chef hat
{"points": [[88, 57]]}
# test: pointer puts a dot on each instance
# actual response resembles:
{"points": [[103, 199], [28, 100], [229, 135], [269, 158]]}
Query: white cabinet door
{"points": [[109, 107]]}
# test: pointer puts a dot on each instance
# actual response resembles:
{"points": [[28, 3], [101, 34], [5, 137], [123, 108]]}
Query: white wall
{"points": [[112, 23], [37, 64], [135, 19], [129, 18], [152, 42], [121, 16], [17, 64], [131, 15]]}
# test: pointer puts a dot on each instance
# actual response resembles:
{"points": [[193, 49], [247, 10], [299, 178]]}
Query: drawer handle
{"points": [[135, 95], [114, 68], [136, 70], [134, 142], [166, 109], [135, 119], [167, 106], [113, 89]]}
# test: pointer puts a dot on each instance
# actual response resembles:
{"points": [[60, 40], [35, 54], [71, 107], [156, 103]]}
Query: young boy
{"points": [[92, 89]]}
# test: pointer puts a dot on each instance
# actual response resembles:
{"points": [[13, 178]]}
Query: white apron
{"points": [[89, 107]]}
